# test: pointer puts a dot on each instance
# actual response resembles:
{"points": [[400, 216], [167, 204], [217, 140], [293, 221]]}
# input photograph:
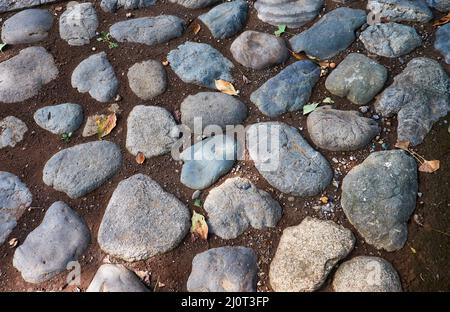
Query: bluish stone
{"points": [[226, 19], [200, 64], [114, 5], [399, 10], [59, 119], [27, 26], [442, 43], [288, 91], [333, 33], [440, 5]]}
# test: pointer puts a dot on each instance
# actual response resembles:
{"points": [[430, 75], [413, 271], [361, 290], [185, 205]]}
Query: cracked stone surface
{"points": [[400, 10], [78, 24], [12, 131]]}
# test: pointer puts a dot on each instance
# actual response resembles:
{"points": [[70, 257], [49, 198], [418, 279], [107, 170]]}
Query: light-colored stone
{"points": [[78, 24], [115, 278], [147, 79], [59, 119], [12, 131]]}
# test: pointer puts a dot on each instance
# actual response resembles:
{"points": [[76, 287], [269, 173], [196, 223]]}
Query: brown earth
{"points": [[422, 263]]}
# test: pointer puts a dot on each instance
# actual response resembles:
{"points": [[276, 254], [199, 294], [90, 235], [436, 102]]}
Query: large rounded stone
{"points": [[23, 76], [12, 5], [366, 274], [15, 198], [307, 253], [59, 119], [78, 24], [142, 220], [358, 78], [224, 269], [147, 79], [150, 130], [286, 160], [212, 108], [28, 26], [337, 130], [82, 168], [400, 10], [62, 237], [378, 197], [237, 204], [12, 131], [258, 50], [442, 42], [195, 4], [115, 278]]}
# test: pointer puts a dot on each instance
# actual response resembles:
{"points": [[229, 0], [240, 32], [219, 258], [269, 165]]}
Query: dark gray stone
{"points": [[114, 5], [214, 108], [390, 39], [12, 131], [96, 76], [78, 24], [15, 198], [358, 78], [195, 4], [142, 220], [440, 5], [147, 79], [115, 278], [338, 130], [28, 26], [148, 30], [62, 237], [419, 95], [237, 204], [224, 269], [442, 42], [290, 165], [400, 10], [258, 50], [337, 30], [292, 13], [226, 19], [23, 75], [59, 119], [200, 64], [12, 5], [288, 91], [79, 169], [366, 274], [307, 253], [378, 197]]}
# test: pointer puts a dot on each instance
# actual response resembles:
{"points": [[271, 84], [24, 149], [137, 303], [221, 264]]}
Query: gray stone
{"points": [[23, 75], [366, 274], [12, 5], [440, 5], [28, 26], [258, 50], [400, 10], [115, 278], [390, 39], [12, 130], [442, 42], [147, 79], [214, 108], [150, 130], [224, 269], [59, 119], [195, 4], [286, 160], [96, 76], [292, 13], [62, 237], [358, 78], [206, 161], [15, 198], [114, 5], [226, 19], [338, 130], [79, 169], [419, 95], [142, 220], [200, 64], [337, 28], [288, 91], [148, 30], [378, 197], [237, 204], [78, 24], [307, 253]]}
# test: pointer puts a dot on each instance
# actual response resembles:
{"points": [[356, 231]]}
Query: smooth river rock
{"points": [[440, 5], [115, 278], [59, 119], [147, 79], [195, 4], [114, 5], [12, 5], [27, 26], [12, 131], [79, 169], [442, 42], [78, 24], [142, 220], [378, 197], [400, 10]]}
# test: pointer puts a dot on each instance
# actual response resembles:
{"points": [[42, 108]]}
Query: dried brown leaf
{"points": [[429, 166], [199, 226], [196, 28], [106, 124], [226, 87], [442, 21], [404, 145], [140, 158]]}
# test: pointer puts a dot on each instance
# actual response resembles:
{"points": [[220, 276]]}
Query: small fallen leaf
{"points": [[327, 100], [165, 62], [300, 56], [13, 242], [196, 28], [404, 145], [198, 202], [2, 46], [429, 166], [225, 87], [106, 124], [90, 128], [140, 158], [199, 225], [325, 64], [443, 20], [308, 108], [281, 30], [324, 200]]}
